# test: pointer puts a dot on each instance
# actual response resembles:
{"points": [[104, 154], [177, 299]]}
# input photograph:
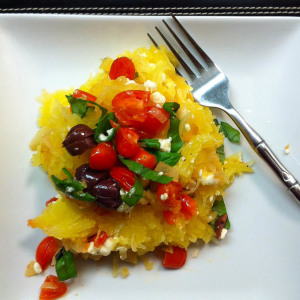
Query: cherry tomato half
{"points": [[53, 199], [45, 251], [188, 207], [176, 259], [122, 66], [130, 107], [156, 119], [169, 194], [103, 157], [145, 158], [126, 142], [124, 177], [99, 239], [79, 94], [52, 288]]}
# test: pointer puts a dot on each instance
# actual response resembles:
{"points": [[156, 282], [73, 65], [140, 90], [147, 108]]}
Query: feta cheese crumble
{"points": [[164, 197], [287, 149], [150, 85], [158, 98], [37, 268], [103, 137], [187, 127], [165, 144], [223, 233]]}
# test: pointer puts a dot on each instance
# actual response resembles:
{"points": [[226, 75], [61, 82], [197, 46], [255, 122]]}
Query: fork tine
{"points": [[189, 71], [205, 57], [156, 45], [185, 49], [153, 41]]}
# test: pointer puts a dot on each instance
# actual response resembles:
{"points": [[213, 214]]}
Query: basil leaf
{"points": [[104, 128], [171, 108], [173, 132], [135, 193], [221, 153], [166, 157], [64, 266], [231, 133], [72, 187], [80, 107], [145, 172], [150, 143], [220, 207]]}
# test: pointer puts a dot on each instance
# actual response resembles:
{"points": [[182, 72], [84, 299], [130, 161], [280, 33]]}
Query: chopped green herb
{"points": [[64, 266], [173, 132], [221, 153], [80, 107], [145, 172], [135, 193], [150, 143], [231, 133], [171, 108], [72, 188], [104, 128], [166, 157], [219, 206]]}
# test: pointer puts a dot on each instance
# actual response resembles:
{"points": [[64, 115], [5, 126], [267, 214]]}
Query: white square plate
{"points": [[260, 257]]}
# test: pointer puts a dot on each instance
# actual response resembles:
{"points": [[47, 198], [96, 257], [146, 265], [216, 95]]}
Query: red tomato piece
{"points": [[176, 259], [45, 251], [78, 94], [169, 194], [99, 239], [52, 288], [170, 217], [53, 199], [103, 157], [145, 158], [124, 177], [130, 107], [156, 119], [188, 207], [220, 224], [122, 66], [126, 142]]}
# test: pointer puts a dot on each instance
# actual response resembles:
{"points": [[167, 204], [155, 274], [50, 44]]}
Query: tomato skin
{"points": [[53, 199], [188, 207], [52, 288], [126, 142], [124, 177], [145, 158], [156, 119], [45, 251], [99, 239], [122, 66], [103, 157], [176, 259], [79, 94], [170, 217], [130, 107], [173, 190]]}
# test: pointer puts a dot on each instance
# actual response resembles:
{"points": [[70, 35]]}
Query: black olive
{"points": [[90, 176], [79, 139], [107, 193]]}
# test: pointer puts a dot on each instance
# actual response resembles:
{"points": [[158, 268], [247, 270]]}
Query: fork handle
{"points": [[261, 147]]}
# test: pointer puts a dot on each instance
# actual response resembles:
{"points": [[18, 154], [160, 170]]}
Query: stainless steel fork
{"points": [[211, 88]]}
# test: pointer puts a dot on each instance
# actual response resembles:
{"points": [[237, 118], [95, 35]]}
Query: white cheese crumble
{"points": [[183, 158], [103, 137], [164, 197], [130, 82], [208, 180], [287, 149], [122, 192], [69, 189], [158, 98], [158, 106], [104, 250], [161, 173], [193, 160], [223, 233], [165, 144], [163, 77], [37, 268], [187, 127], [150, 85]]}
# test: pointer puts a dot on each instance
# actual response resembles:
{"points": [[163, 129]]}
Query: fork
{"points": [[211, 88]]}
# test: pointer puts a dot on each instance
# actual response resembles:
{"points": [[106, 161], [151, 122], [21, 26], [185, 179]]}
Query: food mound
{"points": [[138, 165]]}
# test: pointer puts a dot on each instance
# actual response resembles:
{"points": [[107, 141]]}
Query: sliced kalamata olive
{"points": [[220, 224], [107, 193], [90, 176], [79, 139]]}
